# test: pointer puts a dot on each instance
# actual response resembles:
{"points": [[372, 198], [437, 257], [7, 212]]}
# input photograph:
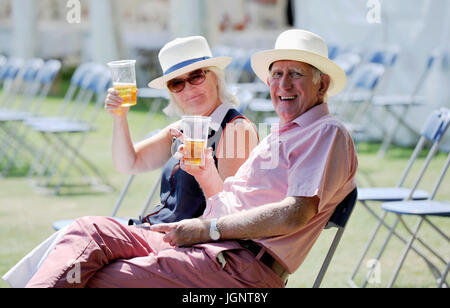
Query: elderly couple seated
{"points": [[237, 220]]}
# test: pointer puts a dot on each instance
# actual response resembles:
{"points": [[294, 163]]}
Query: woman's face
{"points": [[200, 95]]}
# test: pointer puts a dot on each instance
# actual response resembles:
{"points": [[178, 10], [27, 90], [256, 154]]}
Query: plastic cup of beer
{"points": [[195, 134], [124, 80]]}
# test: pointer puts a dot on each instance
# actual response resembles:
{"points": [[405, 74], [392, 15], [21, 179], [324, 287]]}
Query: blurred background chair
{"points": [[60, 136], [57, 225], [364, 85], [8, 76], [36, 81], [390, 103], [78, 92]]}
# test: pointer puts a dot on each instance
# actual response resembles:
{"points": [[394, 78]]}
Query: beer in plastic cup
{"points": [[124, 80], [195, 134]]}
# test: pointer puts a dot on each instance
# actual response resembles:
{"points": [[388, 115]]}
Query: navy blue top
{"points": [[181, 195]]}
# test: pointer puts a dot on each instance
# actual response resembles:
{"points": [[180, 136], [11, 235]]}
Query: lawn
{"points": [[26, 215]]}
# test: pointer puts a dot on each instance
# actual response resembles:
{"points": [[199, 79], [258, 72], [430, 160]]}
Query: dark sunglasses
{"points": [[195, 78]]}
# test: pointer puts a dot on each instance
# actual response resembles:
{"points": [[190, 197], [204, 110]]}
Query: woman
{"points": [[196, 86]]}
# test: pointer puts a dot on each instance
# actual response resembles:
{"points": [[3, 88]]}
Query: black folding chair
{"points": [[338, 220]]}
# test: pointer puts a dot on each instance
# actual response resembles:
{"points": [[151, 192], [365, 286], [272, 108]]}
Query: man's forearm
{"points": [[269, 220]]}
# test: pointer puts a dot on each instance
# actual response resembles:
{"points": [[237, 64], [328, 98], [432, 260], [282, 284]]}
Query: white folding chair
{"points": [[423, 209], [433, 130]]}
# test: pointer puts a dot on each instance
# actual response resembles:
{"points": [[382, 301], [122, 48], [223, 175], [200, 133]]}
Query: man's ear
{"points": [[268, 82], [325, 81]]}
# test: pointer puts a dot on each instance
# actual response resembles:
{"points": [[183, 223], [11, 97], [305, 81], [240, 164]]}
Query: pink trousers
{"points": [[100, 252]]}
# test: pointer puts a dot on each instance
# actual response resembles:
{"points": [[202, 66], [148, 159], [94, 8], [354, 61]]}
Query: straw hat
{"points": [[184, 55], [302, 46]]}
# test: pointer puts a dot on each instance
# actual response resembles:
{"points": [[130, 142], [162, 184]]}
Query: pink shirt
{"points": [[311, 156]]}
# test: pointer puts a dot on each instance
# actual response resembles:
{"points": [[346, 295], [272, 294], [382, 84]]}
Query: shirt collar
{"points": [[218, 115], [306, 119]]}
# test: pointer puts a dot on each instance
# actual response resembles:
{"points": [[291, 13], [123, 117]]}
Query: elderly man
{"points": [[259, 225]]}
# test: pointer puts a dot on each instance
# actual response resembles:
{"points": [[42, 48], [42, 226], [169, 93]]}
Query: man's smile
{"points": [[287, 98]]}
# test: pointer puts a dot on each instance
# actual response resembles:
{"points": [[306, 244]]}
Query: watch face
{"points": [[215, 235]]}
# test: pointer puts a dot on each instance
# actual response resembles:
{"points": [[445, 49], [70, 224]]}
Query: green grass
{"points": [[26, 215]]}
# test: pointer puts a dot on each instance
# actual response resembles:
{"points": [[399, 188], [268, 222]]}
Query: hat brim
{"points": [[160, 82], [261, 61]]}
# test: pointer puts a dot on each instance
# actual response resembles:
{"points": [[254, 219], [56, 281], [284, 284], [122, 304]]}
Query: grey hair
{"points": [[316, 75], [316, 79], [225, 97]]}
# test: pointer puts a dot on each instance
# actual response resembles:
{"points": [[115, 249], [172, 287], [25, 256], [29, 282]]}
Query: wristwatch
{"points": [[214, 233]]}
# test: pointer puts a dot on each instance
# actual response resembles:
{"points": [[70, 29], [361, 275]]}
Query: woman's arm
{"points": [[149, 154], [238, 140]]}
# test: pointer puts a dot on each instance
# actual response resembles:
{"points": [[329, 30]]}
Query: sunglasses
{"points": [[195, 78]]}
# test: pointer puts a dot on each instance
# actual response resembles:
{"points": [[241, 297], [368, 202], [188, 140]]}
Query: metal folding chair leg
{"points": [[381, 222], [122, 195], [440, 277], [390, 133], [329, 256], [153, 191], [366, 249], [76, 154], [405, 252], [380, 253]]}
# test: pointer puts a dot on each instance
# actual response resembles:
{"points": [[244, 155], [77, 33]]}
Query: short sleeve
{"points": [[326, 165]]}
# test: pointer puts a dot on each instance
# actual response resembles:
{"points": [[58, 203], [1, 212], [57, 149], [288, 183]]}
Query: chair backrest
{"points": [[31, 69], [338, 220], [436, 125], [45, 79], [11, 68], [348, 62], [368, 75], [96, 82], [333, 51], [433, 130], [104, 82], [80, 73], [49, 71], [343, 211], [91, 78], [386, 58]]}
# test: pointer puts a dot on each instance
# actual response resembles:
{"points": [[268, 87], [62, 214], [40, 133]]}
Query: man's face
{"points": [[292, 88]]}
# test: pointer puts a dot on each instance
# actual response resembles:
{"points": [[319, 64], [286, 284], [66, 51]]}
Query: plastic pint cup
{"points": [[195, 133], [124, 80]]}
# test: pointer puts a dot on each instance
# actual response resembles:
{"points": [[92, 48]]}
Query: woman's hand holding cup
{"points": [[113, 104]]}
